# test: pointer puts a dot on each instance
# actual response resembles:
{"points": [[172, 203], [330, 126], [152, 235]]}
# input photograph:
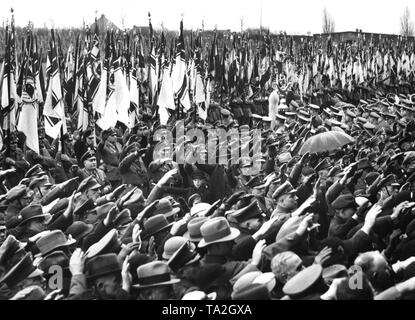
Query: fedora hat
{"points": [[20, 271], [102, 265], [56, 258], [154, 225], [217, 230], [193, 229], [79, 230], [31, 212], [245, 281], [172, 245], [154, 274], [108, 244], [185, 255], [53, 240], [164, 207]]}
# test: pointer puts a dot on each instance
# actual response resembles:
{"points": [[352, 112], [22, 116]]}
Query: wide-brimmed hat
{"points": [[193, 229], [217, 230], [154, 225], [154, 274], [102, 265], [56, 258], [53, 240], [165, 208], [108, 244], [31, 212]]}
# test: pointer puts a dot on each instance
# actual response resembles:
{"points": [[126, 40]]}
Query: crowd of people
{"points": [[102, 214]]}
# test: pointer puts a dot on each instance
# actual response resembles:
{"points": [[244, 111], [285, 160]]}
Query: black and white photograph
{"points": [[217, 151]]}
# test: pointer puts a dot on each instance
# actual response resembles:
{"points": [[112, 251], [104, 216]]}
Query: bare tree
{"points": [[407, 26], [328, 22]]}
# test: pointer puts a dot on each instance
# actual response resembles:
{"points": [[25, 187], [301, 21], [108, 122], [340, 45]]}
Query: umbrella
{"points": [[326, 141]]}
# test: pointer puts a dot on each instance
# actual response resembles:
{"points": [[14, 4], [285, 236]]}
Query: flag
{"points": [[134, 97], [179, 74], [9, 97], [166, 96], [53, 111], [29, 107], [122, 95]]}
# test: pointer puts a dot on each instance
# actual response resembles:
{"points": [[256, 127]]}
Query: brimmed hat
{"points": [[303, 282], [192, 198], [108, 244], [87, 155], [9, 249], [193, 229], [31, 212], [154, 274], [102, 265], [56, 258], [154, 225], [254, 291], [344, 201], [172, 245], [245, 281], [53, 240], [217, 230], [79, 230], [22, 270], [165, 208], [243, 214], [185, 255]]}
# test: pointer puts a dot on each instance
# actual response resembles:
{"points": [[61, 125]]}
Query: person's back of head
{"points": [[285, 265]]}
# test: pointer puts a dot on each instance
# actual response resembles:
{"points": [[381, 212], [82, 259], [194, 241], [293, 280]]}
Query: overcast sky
{"points": [[293, 16]]}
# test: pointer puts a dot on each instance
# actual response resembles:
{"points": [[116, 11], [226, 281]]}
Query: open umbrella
{"points": [[326, 141]]}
